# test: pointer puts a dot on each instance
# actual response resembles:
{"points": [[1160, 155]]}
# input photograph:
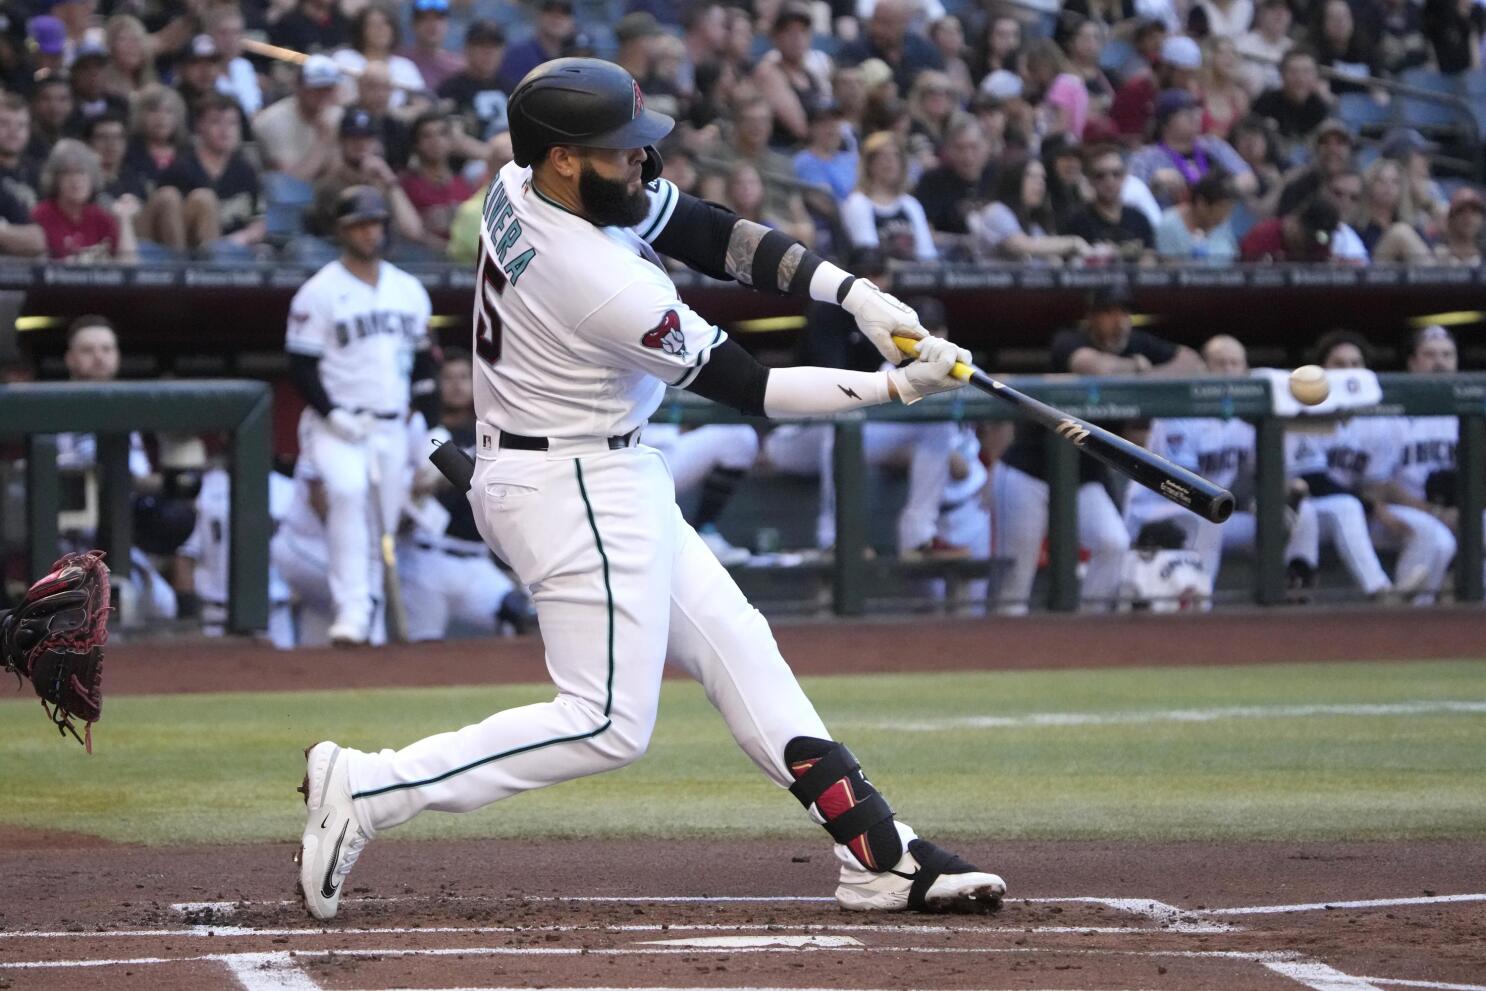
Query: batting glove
{"points": [[346, 425], [930, 371], [879, 316]]}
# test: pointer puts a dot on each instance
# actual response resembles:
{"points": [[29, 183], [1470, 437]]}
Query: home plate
{"points": [[744, 942]]}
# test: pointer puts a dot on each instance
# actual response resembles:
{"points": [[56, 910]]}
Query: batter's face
{"points": [[364, 241], [609, 186]]}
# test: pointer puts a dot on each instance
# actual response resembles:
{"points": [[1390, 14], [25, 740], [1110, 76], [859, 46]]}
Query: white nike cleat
{"points": [[347, 633], [925, 879], [727, 554], [333, 838]]}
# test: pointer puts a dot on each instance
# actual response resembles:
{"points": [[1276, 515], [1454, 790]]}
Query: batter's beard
{"points": [[608, 202]]}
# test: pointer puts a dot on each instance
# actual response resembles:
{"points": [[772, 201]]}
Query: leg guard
{"points": [[856, 815]]}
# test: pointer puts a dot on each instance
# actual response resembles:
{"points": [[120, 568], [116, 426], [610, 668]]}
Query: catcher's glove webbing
{"points": [[55, 638]]}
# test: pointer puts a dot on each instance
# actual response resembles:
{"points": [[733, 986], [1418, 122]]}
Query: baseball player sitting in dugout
{"points": [[578, 331]]}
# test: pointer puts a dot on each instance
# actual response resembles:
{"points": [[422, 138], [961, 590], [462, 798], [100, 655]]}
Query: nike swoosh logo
{"points": [[906, 877], [327, 889], [324, 821]]}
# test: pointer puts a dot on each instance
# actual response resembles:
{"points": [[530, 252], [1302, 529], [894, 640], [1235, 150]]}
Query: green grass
{"points": [[214, 768]]}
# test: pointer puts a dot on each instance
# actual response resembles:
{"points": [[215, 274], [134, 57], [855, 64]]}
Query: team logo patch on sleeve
{"points": [[666, 336]]}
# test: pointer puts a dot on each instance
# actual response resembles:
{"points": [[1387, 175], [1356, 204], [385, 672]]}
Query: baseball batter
{"points": [[579, 330], [359, 352]]}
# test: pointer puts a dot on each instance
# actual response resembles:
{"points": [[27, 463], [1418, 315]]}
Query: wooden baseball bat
{"points": [[282, 54], [1211, 502], [397, 616]]}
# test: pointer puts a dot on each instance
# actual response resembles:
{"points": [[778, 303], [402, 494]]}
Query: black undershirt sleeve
{"points": [[425, 398], [702, 235], [304, 369], [697, 235], [733, 378]]}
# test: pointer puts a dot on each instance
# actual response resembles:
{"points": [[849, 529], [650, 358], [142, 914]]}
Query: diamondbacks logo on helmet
{"points": [[666, 336], [639, 107]]}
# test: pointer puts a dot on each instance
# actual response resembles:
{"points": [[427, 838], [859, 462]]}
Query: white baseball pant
{"points": [[621, 583], [1424, 555], [1344, 525], [442, 583], [1239, 532], [1019, 524], [301, 561]]}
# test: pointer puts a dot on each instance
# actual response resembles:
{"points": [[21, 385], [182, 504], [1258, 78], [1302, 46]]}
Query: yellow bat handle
{"points": [[909, 346]]}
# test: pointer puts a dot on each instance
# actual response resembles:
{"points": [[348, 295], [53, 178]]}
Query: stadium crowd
{"points": [[1085, 132], [1030, 133]]}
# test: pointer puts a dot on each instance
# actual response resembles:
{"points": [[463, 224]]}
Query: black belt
{"points": [[375, 415], [424, 546], [518, 442]]}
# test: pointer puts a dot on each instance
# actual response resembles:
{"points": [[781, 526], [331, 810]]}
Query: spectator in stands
{"points": [[196, 75], [1256, 142], [947, 34], [51, 108], [1181, 154], [108, 136], [793, 77], [20, 175], [469, 219], [1331, 155], [829, 157], [1227, 18], [1000, 47], [880, 213], [748, 140], [1265, 46], [89, 95], [374, 95], [432, 185], [1225, 100], [375, 37], [1454, 29], [963, 183], [76, 228], [1106, 223], [1344, 191], [1084, 45], [744, 193], [479, 102], [1067, 189], [849, 90], [1175, 63], [554, 28], [1106, 13], [210, 191], [1386, 215], [239, 79], [296, 135], [1304, 235], [46, 39], [130, 66], [931, 105], [434, 62], [1019, 225], [1198, 230], [20, 236], [1342, 48], [704, 34], [1401, 41], [1061, 97], [888, 38], [1296, 106], [1461, 244], [311, 26], [1416, 154], [157, 132], [79, 24], [738, 50]]}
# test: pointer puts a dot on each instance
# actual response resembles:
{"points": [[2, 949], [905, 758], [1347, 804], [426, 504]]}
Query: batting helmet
{"points": [[586, 102], [357, 204]]}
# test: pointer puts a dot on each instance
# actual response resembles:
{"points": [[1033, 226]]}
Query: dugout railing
{"points": [[241, 408]]}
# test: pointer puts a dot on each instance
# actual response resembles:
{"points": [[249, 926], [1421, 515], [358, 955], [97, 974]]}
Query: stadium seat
{"points": [[1421, 112], [1360, 110]]}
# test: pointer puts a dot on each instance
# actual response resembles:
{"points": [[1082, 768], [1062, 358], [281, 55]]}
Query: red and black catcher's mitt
{"points": [[55, 638]]}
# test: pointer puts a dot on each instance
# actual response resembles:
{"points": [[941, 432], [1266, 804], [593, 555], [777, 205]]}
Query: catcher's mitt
{"points": [[55, 638]]}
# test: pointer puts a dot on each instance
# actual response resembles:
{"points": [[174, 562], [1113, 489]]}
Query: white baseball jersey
{"points": [[1429, 446], [208, 543], [1364, 449], [363, 335], [958, 492], [578, 329]]}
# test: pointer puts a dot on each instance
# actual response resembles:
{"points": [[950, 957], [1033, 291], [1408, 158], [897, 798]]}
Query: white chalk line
{"points": [[268, 972], [1318, 976], [1437, 985], [1366, 903], [1058, 719]]}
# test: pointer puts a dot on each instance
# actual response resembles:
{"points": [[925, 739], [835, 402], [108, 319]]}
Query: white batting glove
{"points": [[879, 316], [346, 425], [930, 370]]}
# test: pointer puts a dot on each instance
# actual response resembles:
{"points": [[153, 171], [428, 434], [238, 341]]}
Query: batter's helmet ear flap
{"points": [[654, 165]]}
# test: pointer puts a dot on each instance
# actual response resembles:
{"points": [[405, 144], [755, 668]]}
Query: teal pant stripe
{"points": [[609, 687]]}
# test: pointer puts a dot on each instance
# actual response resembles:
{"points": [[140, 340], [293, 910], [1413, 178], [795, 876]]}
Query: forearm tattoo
{"points": [[743, 244], [789, 265]]}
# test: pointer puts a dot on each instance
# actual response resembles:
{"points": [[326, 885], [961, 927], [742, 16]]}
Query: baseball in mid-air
{"points": [[1308, 384]]}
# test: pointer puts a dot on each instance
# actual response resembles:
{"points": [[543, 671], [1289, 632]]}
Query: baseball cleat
{"points": [[347, 633], [925, 879], [332, 839]]}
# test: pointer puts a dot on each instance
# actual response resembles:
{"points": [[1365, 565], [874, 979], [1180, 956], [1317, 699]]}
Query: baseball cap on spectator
{"points": [[1333, 125], [1172, 101], [1002, 84], [1400, 142], [875, 72], [635, 26], [202, 47], [793, 12], [1466, 198], [1181, 52], [579, 44], [319, 72], [440, 7], [484, 33], [90, 51], [47, 34], [1115, 297], [357, 123]]}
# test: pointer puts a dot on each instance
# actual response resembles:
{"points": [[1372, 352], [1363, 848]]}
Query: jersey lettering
{"points": [[1348, 459], [1430, 452], [364, 325], [487, 320]]}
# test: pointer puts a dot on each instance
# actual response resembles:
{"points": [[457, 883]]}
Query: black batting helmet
{"points": [[357, 204], [586, 102]]}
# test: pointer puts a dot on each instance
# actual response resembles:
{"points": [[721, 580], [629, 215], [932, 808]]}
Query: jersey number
{"points": [[487, 321]]}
